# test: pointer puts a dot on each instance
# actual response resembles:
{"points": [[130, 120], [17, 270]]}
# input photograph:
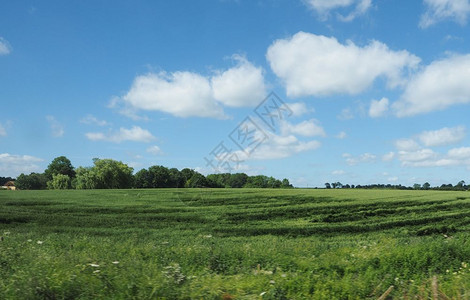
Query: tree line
{"points": [[112, 174], [460, 186]]}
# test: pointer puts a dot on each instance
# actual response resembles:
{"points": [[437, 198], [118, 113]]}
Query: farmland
{"points": [[234, 244]]}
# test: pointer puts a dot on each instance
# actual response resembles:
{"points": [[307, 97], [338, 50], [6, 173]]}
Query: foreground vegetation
{"points": [[234, 244]]}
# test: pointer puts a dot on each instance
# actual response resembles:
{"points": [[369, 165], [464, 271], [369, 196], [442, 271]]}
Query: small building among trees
{"points": [[9, 185]]}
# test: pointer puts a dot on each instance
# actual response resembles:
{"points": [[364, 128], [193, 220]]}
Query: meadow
{"points": [[234, 244]]}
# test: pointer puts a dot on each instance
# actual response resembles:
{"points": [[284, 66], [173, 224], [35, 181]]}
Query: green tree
{"points": [[143, 179], [197, 181], [59, 182], [60, 165], [33, 181], [86, 178], [426, 186], [112, 174]]}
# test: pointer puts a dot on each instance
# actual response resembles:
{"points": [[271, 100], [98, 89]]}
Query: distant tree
{"points": [[60, 165], [461, 186], [426, 186], [286, 184], [237, 180], [142, 179], [197, 181], [86, 178], [59, 182], [176, 178], [33, 181], [160, 177], [112, 174], [416, 186], [105, 174], [4, 180], [327, 185]]}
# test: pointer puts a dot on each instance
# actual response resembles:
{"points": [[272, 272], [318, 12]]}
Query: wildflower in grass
{"points": [[39, 242], [272, 282], [284, 275], [96, 271], [115, 262], [94, 265], [30, 240], [262, 294], [208, 236], [6, 232], [464, 265]]}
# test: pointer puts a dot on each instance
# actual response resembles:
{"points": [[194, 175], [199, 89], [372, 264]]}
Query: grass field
{"points": [[234, 244]]}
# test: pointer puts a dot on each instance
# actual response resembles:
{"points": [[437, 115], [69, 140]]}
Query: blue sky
{"points": [[372, 91]]}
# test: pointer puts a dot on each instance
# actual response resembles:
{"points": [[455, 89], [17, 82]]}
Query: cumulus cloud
{"points": [[135, 134], [338, 172], [315, 65], [363, 158], [299, 109], [341, 135], [378, 108], [412, 154], [441, 84], [267, 145], [57, 129], [440, 10], [13, 165], [306, 128], [389, 156], [406, 145], [240, 86], [324, 7], [189, 94], [182, 94], [92, 120], [442, 137], [5, 47], [155, 150]]}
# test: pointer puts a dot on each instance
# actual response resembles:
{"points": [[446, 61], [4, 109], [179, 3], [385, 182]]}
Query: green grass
{"points": [[233, 244]]}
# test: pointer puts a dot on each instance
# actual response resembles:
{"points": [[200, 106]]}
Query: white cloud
{"points": [[363, 158], [92, 120], [346, 114], [323, 7], [417, 156], [189, 94], [57, 129], [315, 65], [13, 165], [338, 172], [442, 137], [155, 150], [439, 10], [406, 145], [341, 135], [459, 153], [378, 108], [5, 47], [183, 94], [277, 147], [135, 134], [305, 128], [441, 84], [299, 108], [240, 86], [389, 156]]}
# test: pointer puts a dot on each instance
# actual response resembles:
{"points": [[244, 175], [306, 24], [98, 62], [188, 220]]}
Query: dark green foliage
{"points": [[33, 181], [60, 165], [4, 180]]}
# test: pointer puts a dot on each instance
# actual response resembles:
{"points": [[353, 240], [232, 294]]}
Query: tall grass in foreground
{"points": [[234, 244]]}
